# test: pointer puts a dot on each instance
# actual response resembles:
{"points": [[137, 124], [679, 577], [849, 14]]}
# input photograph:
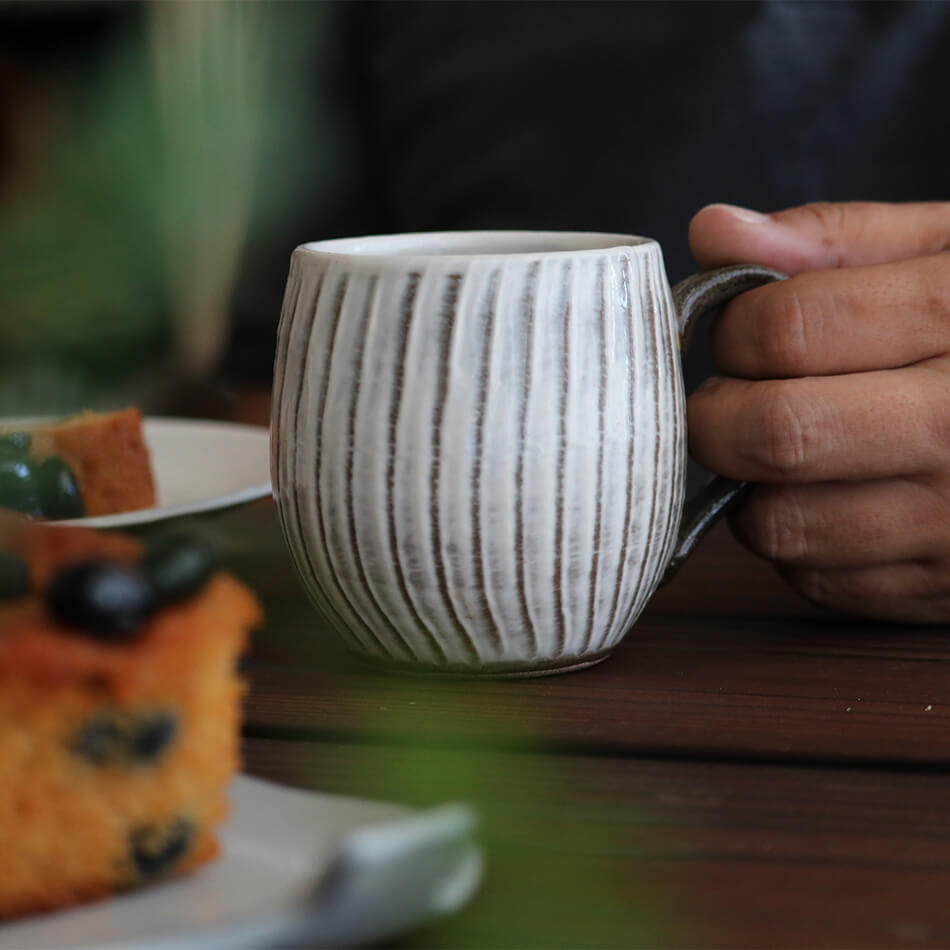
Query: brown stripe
{"points": [[302, 328], [675, 474], [632, 362], [288, 314], [653, 364], [565, 310], [290, 437], [301, 544], [526, 316], [285, 327], [601, 437], [447, 318], [338, 296], [406, 308], [371, 291], [487, 321]]}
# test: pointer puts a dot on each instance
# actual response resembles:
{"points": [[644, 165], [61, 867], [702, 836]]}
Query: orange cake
{"points": [[91, 464], [119, 710]]}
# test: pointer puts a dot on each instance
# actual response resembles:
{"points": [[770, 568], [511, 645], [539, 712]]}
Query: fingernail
{"points": [[746, 215]]}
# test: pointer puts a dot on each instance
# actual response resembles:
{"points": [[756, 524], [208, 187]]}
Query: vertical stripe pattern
{"points": [[479, 461]]}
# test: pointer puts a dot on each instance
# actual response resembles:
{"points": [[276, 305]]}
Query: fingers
{"points": [[836, 401], [909, 592], [838, 321], [825, 428], [844, 525], [821, 235]]}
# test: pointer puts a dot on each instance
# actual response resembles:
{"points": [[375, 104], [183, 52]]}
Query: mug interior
{"points": [[474, 243]]}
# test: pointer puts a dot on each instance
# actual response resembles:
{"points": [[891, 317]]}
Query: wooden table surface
{"points": [[744, 771]]}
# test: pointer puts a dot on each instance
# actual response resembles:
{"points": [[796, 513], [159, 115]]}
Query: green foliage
{"points": [[119, 247], [80, 273]]}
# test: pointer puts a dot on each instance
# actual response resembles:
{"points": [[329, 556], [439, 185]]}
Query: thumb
{"points": [[815, 236]]}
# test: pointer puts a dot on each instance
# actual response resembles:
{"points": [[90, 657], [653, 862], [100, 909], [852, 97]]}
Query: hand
{"points": [[835, 399]]}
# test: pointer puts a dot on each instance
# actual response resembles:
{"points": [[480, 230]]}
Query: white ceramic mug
{"points": [[479, 441]]}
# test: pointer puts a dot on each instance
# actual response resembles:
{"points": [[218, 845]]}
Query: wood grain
{"points": [[639, 852], [745, 770], [693, 681]]}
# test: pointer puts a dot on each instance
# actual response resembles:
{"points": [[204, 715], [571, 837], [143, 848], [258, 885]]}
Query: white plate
{"points": [[199, 466], [297, 869]]}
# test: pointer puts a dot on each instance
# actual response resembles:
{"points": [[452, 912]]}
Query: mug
{"points": [[478, 441]]}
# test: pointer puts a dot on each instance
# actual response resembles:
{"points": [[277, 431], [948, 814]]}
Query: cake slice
{"points": [[91, 464], [119, 710]]}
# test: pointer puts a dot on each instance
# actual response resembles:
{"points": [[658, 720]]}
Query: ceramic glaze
{"points": [[479, 443]]}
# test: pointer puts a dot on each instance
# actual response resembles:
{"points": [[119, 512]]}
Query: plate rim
{"points": [[144, 516]]}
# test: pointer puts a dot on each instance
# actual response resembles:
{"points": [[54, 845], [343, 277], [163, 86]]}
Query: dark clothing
{"points": [[629, 116]]}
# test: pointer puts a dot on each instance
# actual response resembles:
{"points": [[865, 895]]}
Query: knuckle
{"points": [[786, 433], [940, 577], [834, 215], [783, 331], [926, 577], [924, 403], [828, 213], [838, 226], [774, 526], [935, 218], [929, 518], [832, 219], [932, 278], [813, 585]]}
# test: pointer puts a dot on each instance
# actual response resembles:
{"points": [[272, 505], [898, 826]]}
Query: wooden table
{"points": [[744, 771]]}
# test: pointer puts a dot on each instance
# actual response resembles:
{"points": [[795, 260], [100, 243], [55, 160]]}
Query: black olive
{"points": [[15, 445], [117, 738], [155, 850], [14, 576], [178, 566], [101, 740], [58, 492], [107, 600], [152, 735], [18, 487]]}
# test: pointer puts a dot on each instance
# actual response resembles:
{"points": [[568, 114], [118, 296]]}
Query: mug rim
{"points": [[410, 245]]}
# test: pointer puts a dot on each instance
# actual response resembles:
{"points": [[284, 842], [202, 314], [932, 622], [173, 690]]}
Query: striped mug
{"points": [[479, 441]]}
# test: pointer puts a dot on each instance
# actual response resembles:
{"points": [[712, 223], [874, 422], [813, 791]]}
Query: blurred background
{"points": [[159, 161], [148, 153]]}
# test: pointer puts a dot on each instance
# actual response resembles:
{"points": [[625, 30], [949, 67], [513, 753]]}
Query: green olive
{"points": [[59, 494], [15, 445], [14, 576], [18, 487]]}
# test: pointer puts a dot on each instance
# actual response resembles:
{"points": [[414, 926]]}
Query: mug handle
{"points": [[693, 297]]}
